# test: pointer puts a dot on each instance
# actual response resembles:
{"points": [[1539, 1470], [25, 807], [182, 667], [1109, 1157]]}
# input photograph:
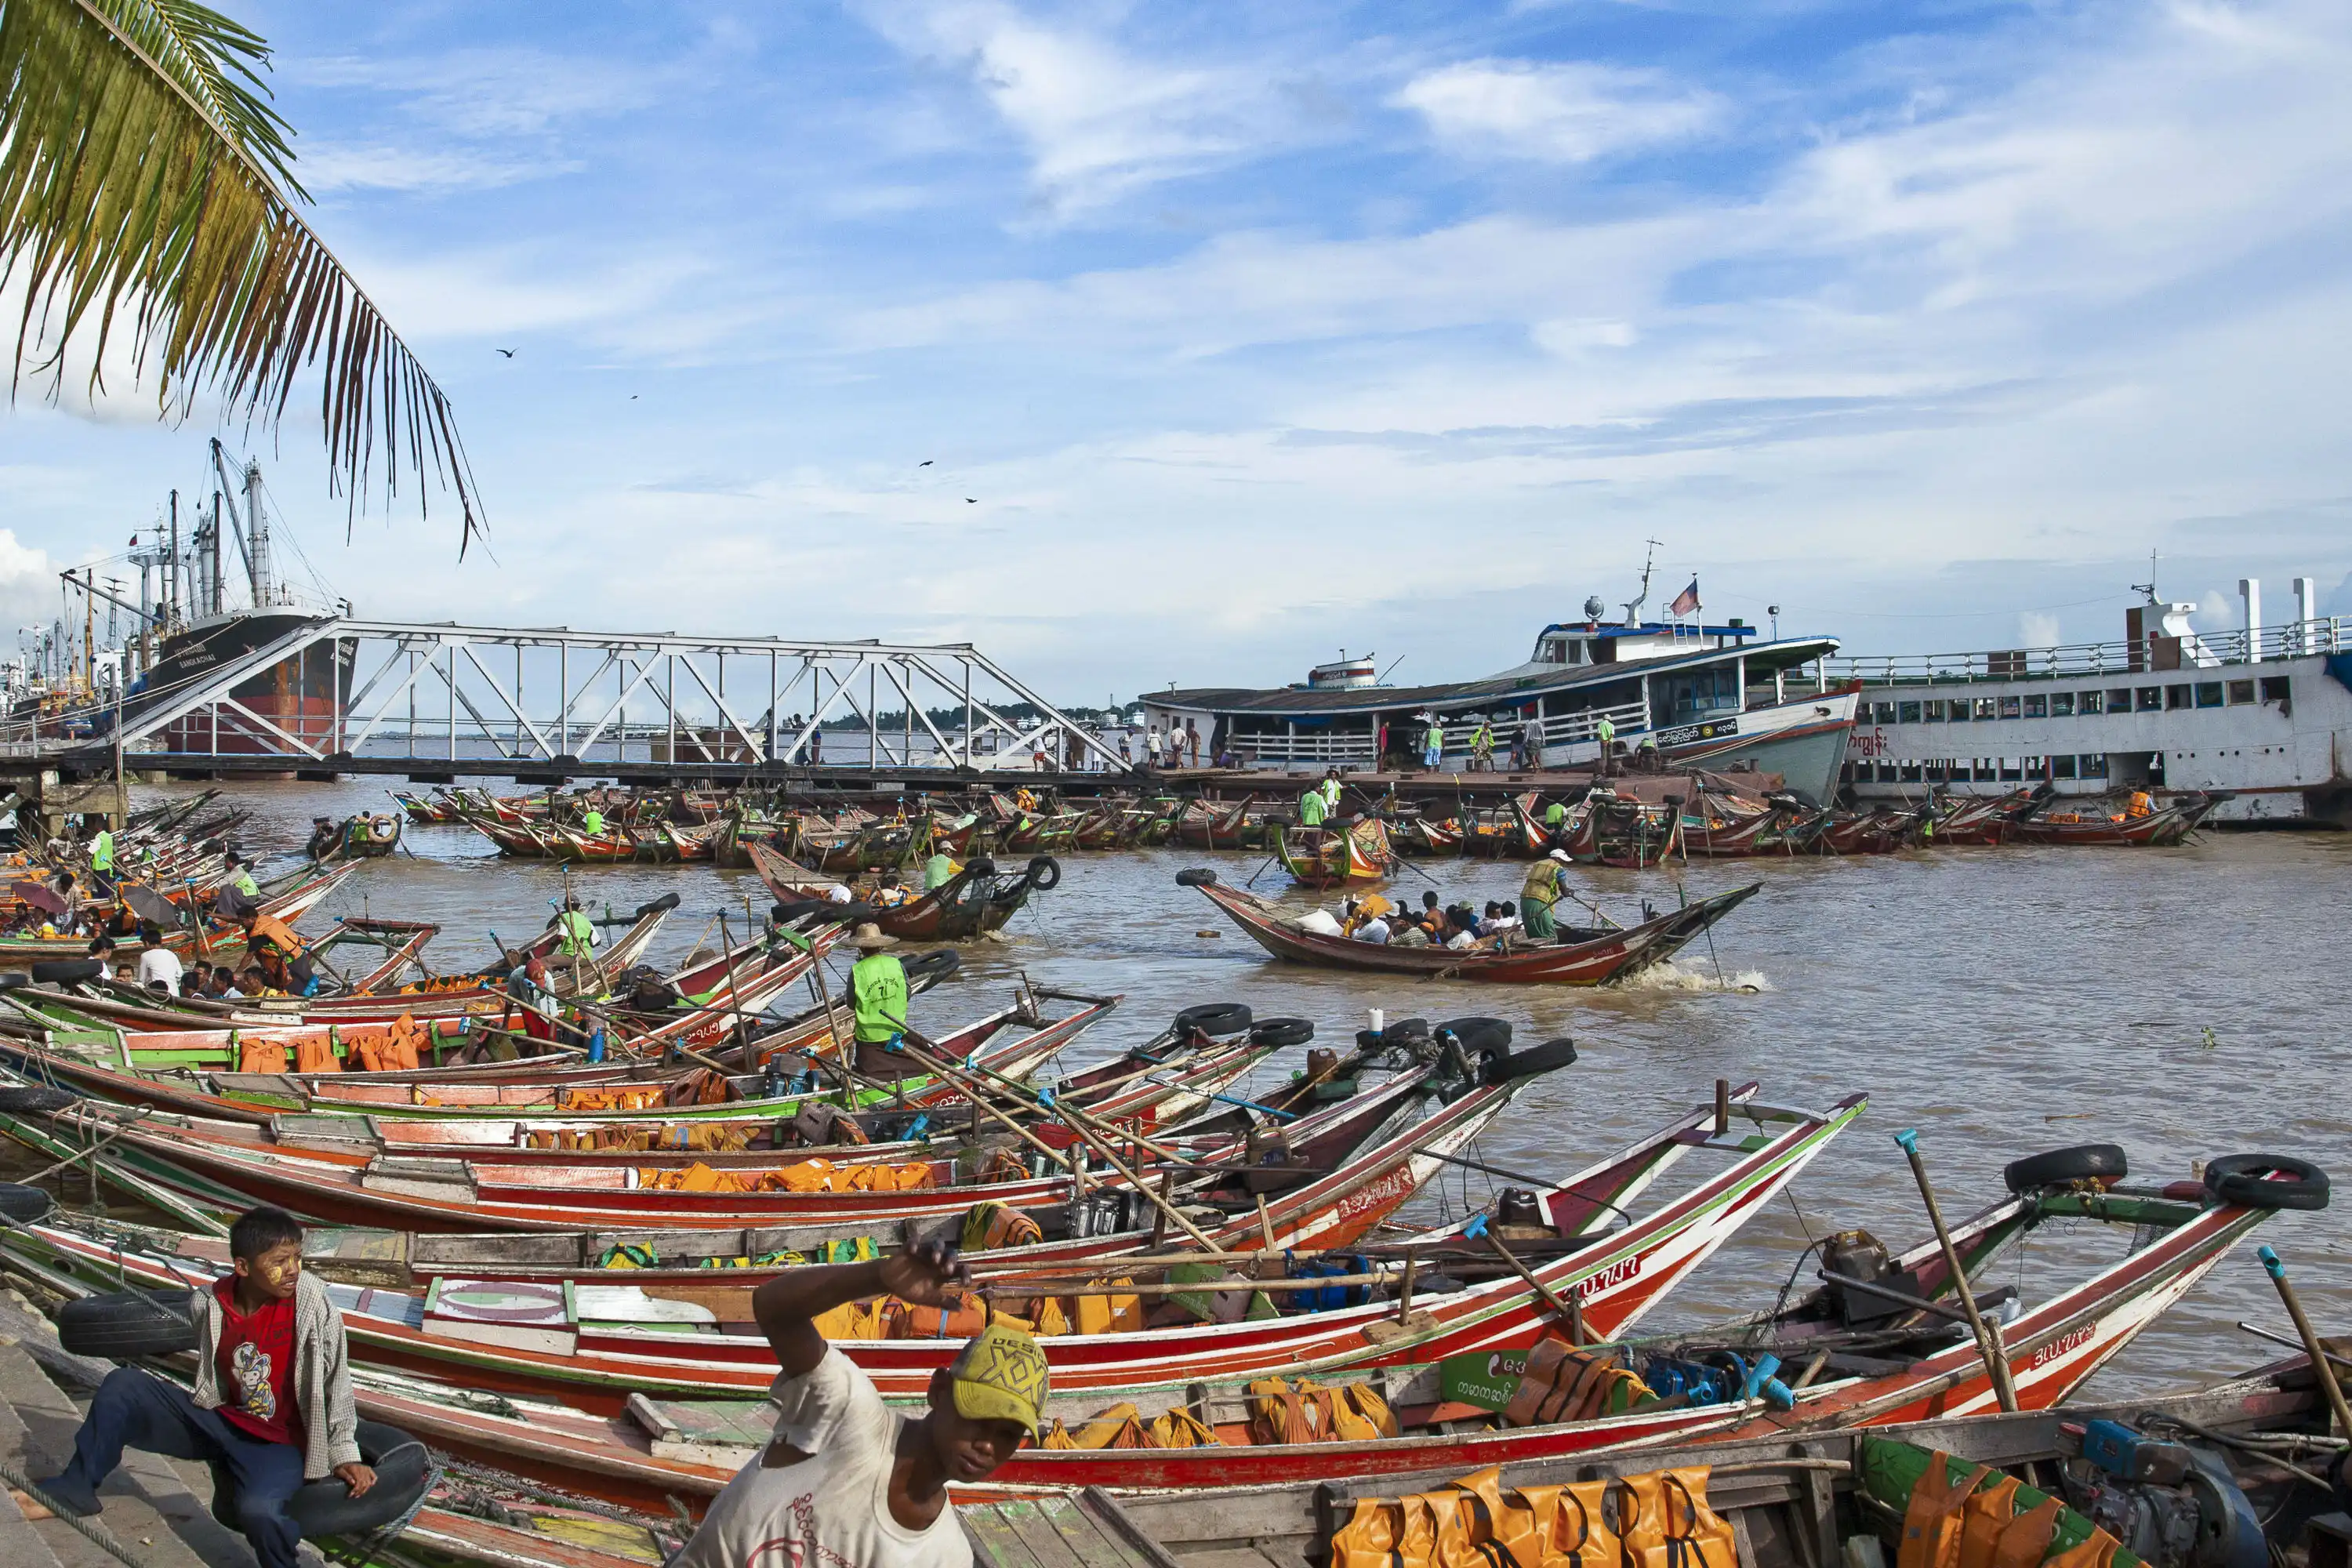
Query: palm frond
{"points": [[144, 174]]}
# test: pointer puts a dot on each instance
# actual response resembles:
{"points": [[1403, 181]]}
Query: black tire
{"points": [[1044, 873], [980, 865], [67, 971], [799, 908], [937, 965], [34, 1098], [404, 1470], [855, 914], [26, 1205], [11, 979], [2061, 1167], [1549, 1057], [1477, 1034], [1212, 1019], [666, 902], [123, 1325], [1196, 877], [1404, 1031], [2249, 1181], [1281, 1033]]}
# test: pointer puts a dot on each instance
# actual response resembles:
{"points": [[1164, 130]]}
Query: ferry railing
{"points": [[2150, 654]]}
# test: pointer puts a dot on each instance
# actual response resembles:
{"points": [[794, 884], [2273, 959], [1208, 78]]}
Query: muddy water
{"points": [[2183, 1003]]}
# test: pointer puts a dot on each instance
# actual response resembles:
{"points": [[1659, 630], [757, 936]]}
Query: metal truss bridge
{"points": [[337, 694]]}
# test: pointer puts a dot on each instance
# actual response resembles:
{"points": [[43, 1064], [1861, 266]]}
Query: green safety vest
{"points": [[938, 872], [1435, 739], [1541, 887], [591, 821], [245, 884], [1555, 814], [878, 990], [579, 932], [1311, 809], [1329, 790], [101, 851], [1606, 731]]}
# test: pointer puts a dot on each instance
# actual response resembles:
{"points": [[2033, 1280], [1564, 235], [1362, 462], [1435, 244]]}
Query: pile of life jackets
{"points": [[1960, 1512], [393, 1047], [1310, 1412], [1663, 1521], [1121, 1426], [702, 1137], [808, 1176]]}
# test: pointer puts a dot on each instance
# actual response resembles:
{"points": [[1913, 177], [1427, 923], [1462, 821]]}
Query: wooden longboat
{"points": [[1206, 826], [1355, 855], [1611, 830], [219, 938], [1587, 958], [2167, 824], [976, 901], [1619, 1275]]}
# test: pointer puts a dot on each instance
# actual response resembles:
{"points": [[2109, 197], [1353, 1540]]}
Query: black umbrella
{"points": [[150, 905]]}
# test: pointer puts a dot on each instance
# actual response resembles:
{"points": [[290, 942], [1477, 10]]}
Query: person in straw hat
{"points": [[878, 990], [845, 1479]]}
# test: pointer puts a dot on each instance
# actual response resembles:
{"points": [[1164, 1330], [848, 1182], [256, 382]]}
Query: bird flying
{"points": [[509, 353], [971, 500], [924, 464]]}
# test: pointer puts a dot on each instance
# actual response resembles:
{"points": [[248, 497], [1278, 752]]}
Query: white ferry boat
{"points": [[2262, 712], [1704, 696]]}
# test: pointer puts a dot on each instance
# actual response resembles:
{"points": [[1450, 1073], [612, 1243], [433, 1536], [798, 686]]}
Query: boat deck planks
{"points": [[1087, 1530]]}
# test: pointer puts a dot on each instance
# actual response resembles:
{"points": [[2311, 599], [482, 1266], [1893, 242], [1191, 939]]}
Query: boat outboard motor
{"points": [[2174, 1504]]}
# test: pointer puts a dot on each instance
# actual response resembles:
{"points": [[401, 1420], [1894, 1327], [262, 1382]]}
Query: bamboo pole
{"points": [[1988, 1335], [2311, 1345]]}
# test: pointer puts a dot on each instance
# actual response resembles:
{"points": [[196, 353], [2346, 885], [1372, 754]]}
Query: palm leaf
{"points": [[145, 174]]}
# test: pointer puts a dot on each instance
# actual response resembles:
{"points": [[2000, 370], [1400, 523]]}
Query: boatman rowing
{"points": [[877, 993]]}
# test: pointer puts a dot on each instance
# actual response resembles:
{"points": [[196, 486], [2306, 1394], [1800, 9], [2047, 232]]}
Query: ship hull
{"points": [[301, 697]]}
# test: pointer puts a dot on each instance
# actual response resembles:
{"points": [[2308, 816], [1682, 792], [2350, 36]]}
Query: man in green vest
{"points": [[938, 872], [591, 821], [1433, 746], [101, 857], [1312, 808], [878, 994], [579, 932], [1608, 733], [1540, 890], [241, 896]]}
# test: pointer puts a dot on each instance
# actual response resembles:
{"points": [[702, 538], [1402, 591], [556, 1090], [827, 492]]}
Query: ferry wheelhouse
{"points": [[2263, 712], [1711, 696]]}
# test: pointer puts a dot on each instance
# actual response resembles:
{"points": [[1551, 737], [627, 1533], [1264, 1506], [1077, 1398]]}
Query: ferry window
{"points": [[1939, 772], [1960, 709], [2091, 765], [2061, 767], [1887, 772], [2008, 769], [2151, 699], [2275, 688], [1886, 713], [2037, 706], [2036, 767], [2209, 694], [1984, 708], [2241, 691], [1983, 767], [1909, 773], [2175, 697], [1906, 712], [2093, 701], [2009, 707], [2062, 705], [1932, 711]]}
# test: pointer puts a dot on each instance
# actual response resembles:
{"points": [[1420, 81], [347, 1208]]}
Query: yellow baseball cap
{"points": [[1000, 1375]]}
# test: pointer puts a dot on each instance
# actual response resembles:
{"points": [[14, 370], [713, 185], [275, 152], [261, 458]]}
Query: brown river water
{"points": [[2182, 1003]]}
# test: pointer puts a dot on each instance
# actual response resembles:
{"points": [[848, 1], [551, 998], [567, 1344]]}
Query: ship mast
{"points": [[1633, 606]]}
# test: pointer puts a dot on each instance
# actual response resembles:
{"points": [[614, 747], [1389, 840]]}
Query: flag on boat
{"points": [[1686, 601]]}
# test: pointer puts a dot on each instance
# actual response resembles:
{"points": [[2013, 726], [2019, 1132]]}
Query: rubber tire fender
{"points": [[799, 908], [1196, 877], [1212, 1019], [1044, 873], [34, 1098], [2060, 1167], [26, 1205], [938, 963], [2245, 1180], [980, 865], [1479, 1034], [1281, 1033], [1549, 1057], [67, 971], [855, 914], [666, 902], [123, 1325], [404, 1469]]}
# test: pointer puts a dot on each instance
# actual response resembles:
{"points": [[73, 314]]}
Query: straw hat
{"points": [[871, 938]]}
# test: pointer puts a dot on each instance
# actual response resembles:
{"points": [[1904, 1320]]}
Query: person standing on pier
{"points": [[1607, 731], [1433, 745]]}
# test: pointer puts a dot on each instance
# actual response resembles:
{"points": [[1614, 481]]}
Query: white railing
{"points": [[2206, 650]]}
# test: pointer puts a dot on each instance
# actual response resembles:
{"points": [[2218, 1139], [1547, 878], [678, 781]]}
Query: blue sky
{"points": [[1252, 332]]}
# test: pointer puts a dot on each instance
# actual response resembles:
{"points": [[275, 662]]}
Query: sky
{"points": [[1196, 343]]}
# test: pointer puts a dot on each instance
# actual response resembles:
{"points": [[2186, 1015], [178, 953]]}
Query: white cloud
{"points": [[490, 93], [1572, 112], [326, 167], [1099, 122]]}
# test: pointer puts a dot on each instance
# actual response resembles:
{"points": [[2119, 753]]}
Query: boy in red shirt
{"points": [[272, 1403]]}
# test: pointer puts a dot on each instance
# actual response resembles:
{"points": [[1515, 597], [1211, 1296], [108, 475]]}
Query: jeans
{"points": [[1430, 755], [134, 1410]]}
